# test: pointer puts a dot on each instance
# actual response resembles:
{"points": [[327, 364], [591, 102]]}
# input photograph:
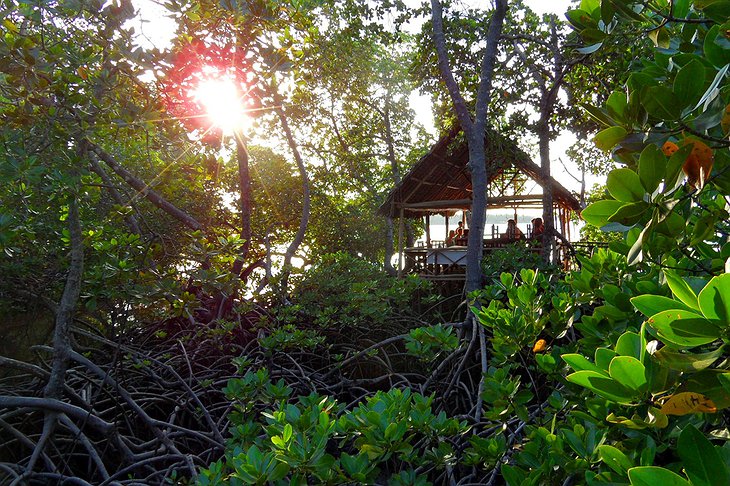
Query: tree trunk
{"points": [[389, 248], [474, 130], [304, 220], [244, 205], [548, 217]]}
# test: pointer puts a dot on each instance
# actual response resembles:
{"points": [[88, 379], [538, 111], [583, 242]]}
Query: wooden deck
{"points": [[449, 262]]}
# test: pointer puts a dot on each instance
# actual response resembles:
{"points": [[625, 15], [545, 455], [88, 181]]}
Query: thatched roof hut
{"points": [[440, 182]]}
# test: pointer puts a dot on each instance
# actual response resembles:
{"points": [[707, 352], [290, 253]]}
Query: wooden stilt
{"points": [[400, 243], [428, 231]]}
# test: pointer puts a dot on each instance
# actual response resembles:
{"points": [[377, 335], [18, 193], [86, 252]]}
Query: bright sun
{"points": [[223, 103]]}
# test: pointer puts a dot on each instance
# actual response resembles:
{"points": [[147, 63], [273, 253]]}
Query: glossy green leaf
{"points": [[714, 299], [702, 462], [580, 19], [689, 84], [599, 115], [629, 344], [616, 105], [661, 102], [673, 171], [580, 363], [681, 8], [615, 459], [715, 385], [602, 385], [714, 85], [598, 213], [603, 357], [630, 213], [660, 37], [513, 476], [714, 52], [624, 185], [608, 138], [628, 371], [650, 305], [684, 328], [681, 289], [652, 165], [655, 476], [687, 362]]}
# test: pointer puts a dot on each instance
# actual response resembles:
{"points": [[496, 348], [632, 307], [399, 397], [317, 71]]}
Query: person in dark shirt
{"points": [[538, 228]]}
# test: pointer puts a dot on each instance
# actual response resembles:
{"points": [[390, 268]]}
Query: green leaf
{"points": [[652, 164], [650, 305], [624, 185], [714, 52], [608, 138], [674, 167], [602, 385], [629, 214], [629, 344], [636, 252], [279, 472], [702, 462], [681, 289], [589, 5], [603, 357], [689, 83], [628, 371], [597, 214], [684, 328], [616, 105], [513, 476], [615, 459], [580, 19], [654, 476], [660, 37], [661, 102], [687, 362], [681, 8], [710, 383], [581, 363], [598, 115], [714, 299], [712, 89]]}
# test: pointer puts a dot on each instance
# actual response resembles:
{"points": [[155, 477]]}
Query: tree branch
{"points": [[140, 186]]}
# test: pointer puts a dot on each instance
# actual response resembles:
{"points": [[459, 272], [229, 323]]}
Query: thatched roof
{"points": [[441, 182]]}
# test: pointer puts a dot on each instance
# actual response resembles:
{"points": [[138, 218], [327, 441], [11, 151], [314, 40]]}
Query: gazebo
{"points": [[440, 184]]}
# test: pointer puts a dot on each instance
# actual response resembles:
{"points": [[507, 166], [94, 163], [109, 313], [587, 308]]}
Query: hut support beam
{"points": [[428, 231], [400, 243]]}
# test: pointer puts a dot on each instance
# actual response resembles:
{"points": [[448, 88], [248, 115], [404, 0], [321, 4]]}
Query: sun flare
{"points": [[223, 103]]}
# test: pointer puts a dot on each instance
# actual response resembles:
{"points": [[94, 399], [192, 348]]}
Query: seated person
{"points": [[451, 240], [460, 230], [513, 232], [538, 228]]}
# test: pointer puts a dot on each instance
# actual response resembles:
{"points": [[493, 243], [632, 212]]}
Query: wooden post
{"points": [[428, 230], [400, 243]]}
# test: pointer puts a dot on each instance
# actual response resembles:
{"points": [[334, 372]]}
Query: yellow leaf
{"points": [[699, 162], [539, 346], [669, 148], [688, 402], [82, 72]]}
